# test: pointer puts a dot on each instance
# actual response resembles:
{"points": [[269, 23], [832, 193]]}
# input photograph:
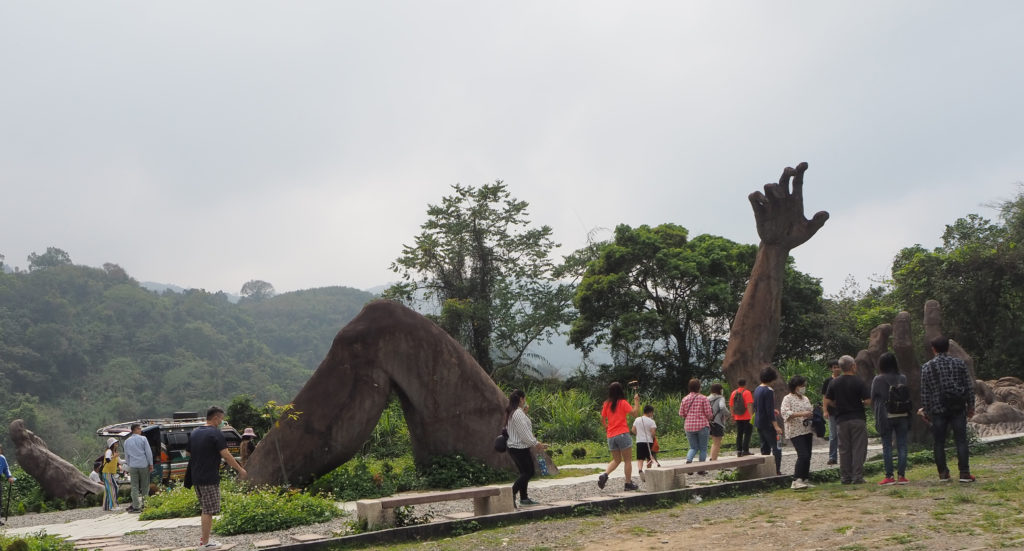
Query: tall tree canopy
{"points": [[664, 303], [978, 277], [52, 257], [489, 273]]}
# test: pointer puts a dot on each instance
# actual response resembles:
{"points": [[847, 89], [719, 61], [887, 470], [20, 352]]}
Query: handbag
{"points": [[501, 442]]}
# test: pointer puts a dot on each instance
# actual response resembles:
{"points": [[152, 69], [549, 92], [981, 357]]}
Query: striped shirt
{"points": [[520, 431]]}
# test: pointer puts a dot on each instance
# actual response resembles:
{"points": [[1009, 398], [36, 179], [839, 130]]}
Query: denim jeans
{"points": [[770, 445], [698, 441], [940, 429], [897, 426], [833, 439]]}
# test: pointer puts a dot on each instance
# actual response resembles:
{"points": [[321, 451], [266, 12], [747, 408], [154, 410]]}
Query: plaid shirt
{"points": [[944, 372], [696, 409]]}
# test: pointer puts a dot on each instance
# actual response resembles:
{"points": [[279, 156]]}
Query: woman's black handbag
{"points": [[501, 442]]}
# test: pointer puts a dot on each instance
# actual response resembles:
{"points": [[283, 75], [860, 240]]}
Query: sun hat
{"points": [[111, 441], [248, 432]]}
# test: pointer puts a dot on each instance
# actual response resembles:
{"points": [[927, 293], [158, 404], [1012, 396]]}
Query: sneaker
{"points": [[808, 484], [210, 545], [643, 477], [944, 477], [860, 481], [902, 480], [967, 478], [887, 481], [831, 462], [629, 486], [602, 480], [798, 485], [527, 501]]}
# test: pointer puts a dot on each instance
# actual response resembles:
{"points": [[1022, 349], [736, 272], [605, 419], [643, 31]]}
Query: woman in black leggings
{"points": [[520, 443]]}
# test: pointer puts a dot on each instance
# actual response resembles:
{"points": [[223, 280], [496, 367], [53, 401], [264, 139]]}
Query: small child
{"points": [[644, 428]]}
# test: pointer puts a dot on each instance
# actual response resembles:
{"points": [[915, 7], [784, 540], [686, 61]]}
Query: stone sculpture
{"points": [[57, 477], [989, 410], [781, 225], [450, 403]]}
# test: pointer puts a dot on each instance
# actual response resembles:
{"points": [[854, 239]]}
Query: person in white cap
{"points": [[108, 472]]}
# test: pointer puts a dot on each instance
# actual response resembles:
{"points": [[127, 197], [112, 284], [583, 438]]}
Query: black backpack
{"points": [[817, 422], [898, 401], [98, 464], [739, 404]]}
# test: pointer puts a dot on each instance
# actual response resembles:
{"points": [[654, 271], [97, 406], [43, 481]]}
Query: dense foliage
{"points": [[82, 347], [664, 303], [488, 273]]}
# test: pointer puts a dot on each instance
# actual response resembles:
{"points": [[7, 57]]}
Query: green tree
{"points": [[257, 290], [977, 275], [489, 274], [52, 257], [661, 302]]}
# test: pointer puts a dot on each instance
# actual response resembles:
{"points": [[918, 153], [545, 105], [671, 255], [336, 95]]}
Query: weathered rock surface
{"points": [[451, 405], [57, 477]]}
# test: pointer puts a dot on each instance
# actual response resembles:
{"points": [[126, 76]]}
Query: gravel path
{"points": [[540, 490]]}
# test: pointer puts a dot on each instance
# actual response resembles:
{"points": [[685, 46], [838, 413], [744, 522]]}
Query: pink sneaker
{"points": [[887, 481]]}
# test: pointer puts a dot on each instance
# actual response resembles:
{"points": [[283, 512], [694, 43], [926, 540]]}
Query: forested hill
{"points": [[81, 347]]}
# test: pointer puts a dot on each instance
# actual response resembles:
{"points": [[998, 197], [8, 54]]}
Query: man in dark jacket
{"points": [[848, 395]]}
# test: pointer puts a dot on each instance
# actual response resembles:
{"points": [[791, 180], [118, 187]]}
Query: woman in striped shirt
{"points": [[520, 441]]}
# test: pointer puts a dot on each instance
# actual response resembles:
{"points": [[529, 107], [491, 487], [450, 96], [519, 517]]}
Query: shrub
{"points": [[176, 502], [353, 481], [35, 542], [458, 471], [564, 416], [268, 509], [390, 437]]}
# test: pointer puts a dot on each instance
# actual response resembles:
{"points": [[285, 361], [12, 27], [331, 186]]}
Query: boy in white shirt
{"points": [[644, 428]]}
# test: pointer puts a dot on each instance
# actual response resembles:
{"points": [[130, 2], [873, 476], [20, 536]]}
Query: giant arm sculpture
{"points": [[781, 225]]}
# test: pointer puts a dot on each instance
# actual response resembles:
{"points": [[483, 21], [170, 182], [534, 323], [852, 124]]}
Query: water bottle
{"points": [[543, 464]]}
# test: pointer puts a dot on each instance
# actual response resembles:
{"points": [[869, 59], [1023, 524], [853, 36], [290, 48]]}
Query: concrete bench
{"points": [[660, 479], [486, 500]]}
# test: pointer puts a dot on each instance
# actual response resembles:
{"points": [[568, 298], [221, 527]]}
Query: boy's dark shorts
{"points": [[643, 450]]}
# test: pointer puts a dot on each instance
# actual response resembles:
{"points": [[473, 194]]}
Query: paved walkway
{"points": [[118, 524]]}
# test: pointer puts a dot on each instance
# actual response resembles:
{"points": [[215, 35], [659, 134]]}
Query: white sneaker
{"points": [[798, 485], [210, 545], [807, 484]]}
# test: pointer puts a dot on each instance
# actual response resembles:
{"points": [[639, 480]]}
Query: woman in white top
{"points": [[719, 409], [796, 408], [520, 441]]}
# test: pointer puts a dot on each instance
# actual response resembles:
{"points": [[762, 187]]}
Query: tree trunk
{"points": [[57, 477]]}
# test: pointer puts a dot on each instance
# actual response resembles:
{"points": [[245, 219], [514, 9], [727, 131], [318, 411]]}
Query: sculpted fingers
{"points": [[775, 191], [815, 224], [759, 202]]}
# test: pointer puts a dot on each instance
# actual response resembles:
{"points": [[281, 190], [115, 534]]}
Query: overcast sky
{"points": [[205, 144]]}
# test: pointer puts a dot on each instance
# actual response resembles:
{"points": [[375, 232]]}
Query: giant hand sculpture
{"points": [[781, 225]]}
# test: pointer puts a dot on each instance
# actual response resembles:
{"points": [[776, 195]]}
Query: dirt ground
{"points": [[924, 515]]}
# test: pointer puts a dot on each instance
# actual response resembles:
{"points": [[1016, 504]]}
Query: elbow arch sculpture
{"points": [[451, 405]]}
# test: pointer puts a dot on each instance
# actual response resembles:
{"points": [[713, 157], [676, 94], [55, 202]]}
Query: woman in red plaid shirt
{"points": [[696, 413]]}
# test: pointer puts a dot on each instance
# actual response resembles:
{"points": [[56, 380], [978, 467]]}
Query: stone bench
{"points": [[660, 479], [486, 500]]}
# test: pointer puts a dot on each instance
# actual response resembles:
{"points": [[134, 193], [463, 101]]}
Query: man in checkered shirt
{"points": [[947, 401]]}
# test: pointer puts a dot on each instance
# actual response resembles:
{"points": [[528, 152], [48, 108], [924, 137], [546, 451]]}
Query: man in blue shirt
{"points": [[139, 456], [5, 470], [206, 447]]}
